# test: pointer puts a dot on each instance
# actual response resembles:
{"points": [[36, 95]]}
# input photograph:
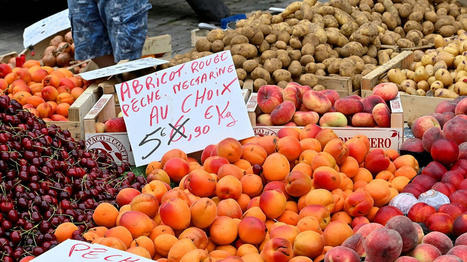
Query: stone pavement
{"points": [[174, 17]]}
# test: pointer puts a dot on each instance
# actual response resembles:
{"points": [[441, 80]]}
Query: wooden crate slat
{"points": [[343, 85], [102, 110], [198, 34], [6, 57], [72, 126], [402, 60], [416, 106], [160, 44]]}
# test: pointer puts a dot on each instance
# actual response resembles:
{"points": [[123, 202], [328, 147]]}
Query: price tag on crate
{"points": [[188, 107], [122, 68], [79, 251], [46, 27]]}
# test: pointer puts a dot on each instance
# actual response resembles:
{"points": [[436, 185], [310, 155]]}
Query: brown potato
{"points": [[261, 73], [203, 44], [216, 34], [389, 20], [245, 50], [238, 39], [241, 73], [295, 68], [295, 43], [308, 79], [217, 46], [259, 83], [295, 54], [280, 45], [271, 38], [282, 75], [250, 65], [311, 67]]}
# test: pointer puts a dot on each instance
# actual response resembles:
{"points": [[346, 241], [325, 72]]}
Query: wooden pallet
{"points": [[414, 106], [78, 110]]}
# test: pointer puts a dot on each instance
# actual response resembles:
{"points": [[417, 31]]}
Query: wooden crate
{"points": [[78, 110], [414, 106], [155, 46], [117, 144], [343, 85], [158, 46], [37, 51], [402, 60], [386, 138], [198, 34], [6, 57]]}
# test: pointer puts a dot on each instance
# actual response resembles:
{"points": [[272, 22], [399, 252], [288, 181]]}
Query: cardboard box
{"points": [[116, 145], [385, 138]]}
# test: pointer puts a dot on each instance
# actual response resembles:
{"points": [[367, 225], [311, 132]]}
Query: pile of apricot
{"points": [[293, 196]]}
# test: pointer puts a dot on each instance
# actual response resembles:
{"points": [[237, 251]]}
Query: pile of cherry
{"points": [[48, 178]]}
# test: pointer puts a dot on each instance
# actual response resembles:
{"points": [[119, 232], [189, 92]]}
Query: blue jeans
{"points": [[105, 27]]}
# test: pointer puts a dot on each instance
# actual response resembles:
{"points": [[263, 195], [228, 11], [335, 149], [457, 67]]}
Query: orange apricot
{"points": [[64, 231], [252, 185], [105, 214], [289, 146], [121, 233], [223, 230], [276, 167], [255, 154]]}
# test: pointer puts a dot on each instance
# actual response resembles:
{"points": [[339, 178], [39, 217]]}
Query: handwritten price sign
{"points": [[79, 251], [188, 106]]}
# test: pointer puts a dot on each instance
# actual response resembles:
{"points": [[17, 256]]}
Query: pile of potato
{"points": [[441, 72], [341, 37]]}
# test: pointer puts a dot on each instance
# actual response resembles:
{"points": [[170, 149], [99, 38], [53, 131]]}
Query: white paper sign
{"points": [[79, 251], [46, 27], [188, 106], [123, 68]]}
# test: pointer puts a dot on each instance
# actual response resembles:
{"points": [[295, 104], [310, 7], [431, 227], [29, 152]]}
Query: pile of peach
{"points": [[300, 105], [400, 240], [274, 198], [44, 91]]}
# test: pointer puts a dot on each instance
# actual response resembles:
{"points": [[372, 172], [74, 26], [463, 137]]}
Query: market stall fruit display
{"points": [[301, 105], [256, 199], [346, 38], [44, 91], [47, 179]]}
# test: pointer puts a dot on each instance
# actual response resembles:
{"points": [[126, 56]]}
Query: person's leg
{"points": [[127, 26], [89, 33], [209, 10], [104, 61]]}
